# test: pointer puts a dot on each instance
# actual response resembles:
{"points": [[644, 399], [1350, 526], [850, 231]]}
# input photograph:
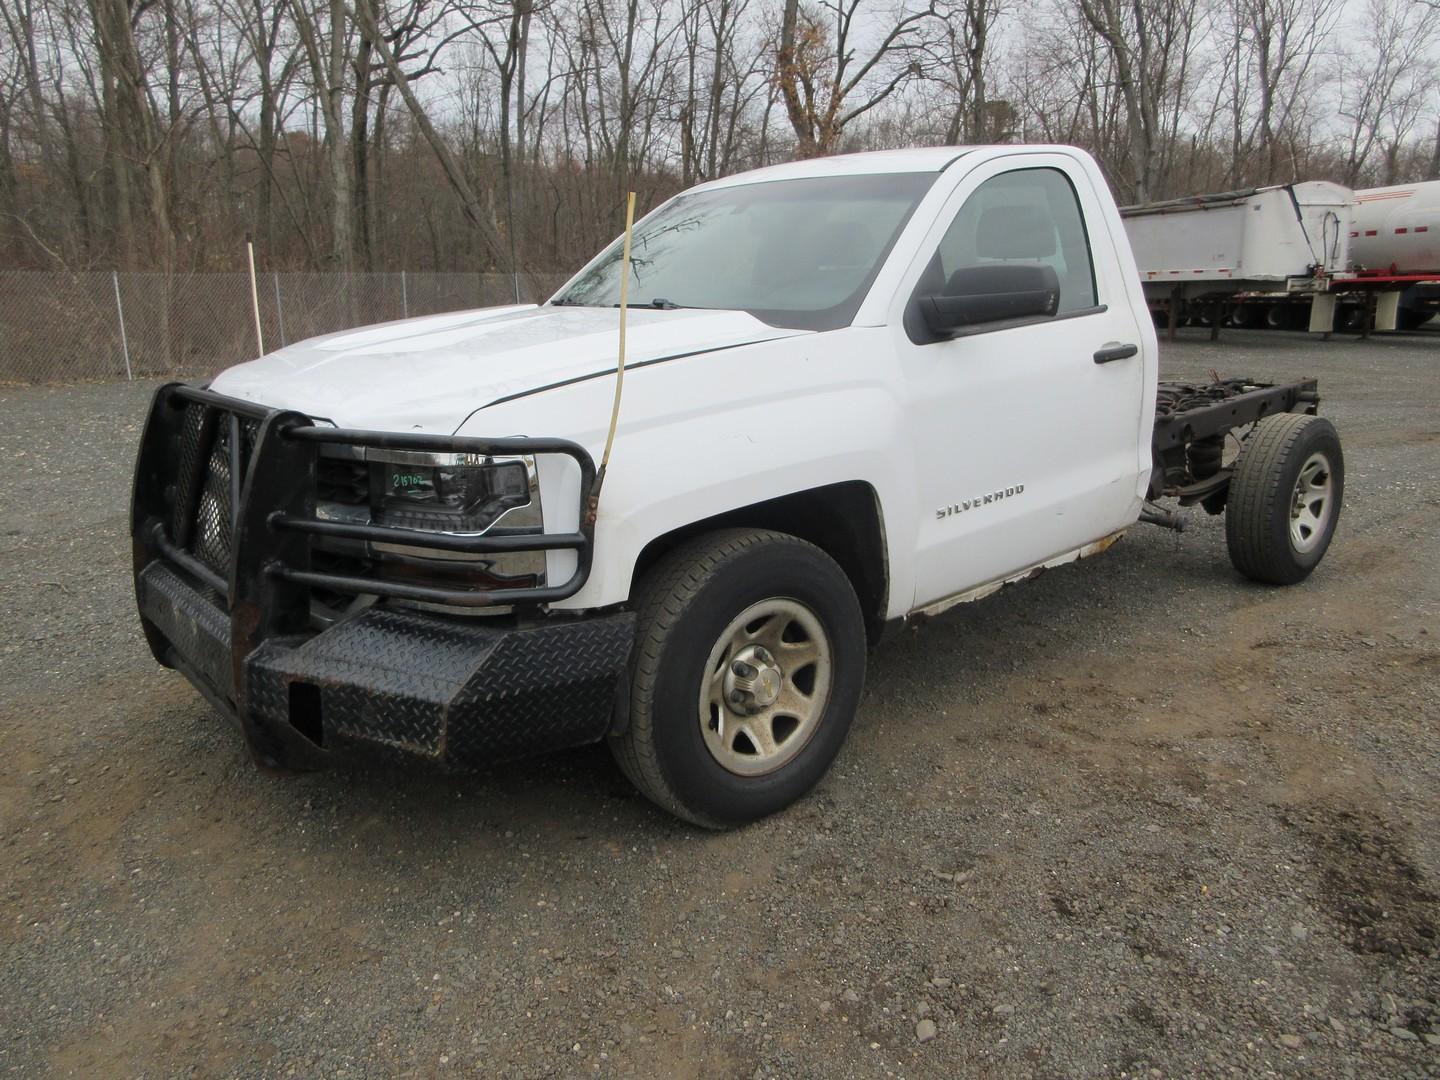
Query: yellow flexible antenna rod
{"points": [[594, 501]]}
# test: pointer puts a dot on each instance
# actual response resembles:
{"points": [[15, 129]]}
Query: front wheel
{"points": [[1284, 499], [749, 661]]}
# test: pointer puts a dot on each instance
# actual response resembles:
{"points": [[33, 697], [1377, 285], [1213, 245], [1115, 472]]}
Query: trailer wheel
{"points": [[748, 665], [1283, 317], [1284, 500], [1246, 316]]}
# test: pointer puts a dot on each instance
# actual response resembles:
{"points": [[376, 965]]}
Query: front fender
{"points": [[704, 435]]}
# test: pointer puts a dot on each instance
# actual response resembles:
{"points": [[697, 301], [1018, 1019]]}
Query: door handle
{"points": [[1113, 350]]}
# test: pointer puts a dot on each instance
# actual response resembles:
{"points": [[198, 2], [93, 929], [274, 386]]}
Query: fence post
{"points": [[120, 313], [404, 297], [516, 279], [279, 309]]}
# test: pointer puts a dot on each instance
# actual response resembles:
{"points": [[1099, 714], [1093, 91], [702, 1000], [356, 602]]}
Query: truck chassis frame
{"points": [[1192, 421]]}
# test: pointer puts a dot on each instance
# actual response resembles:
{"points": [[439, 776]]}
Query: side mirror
{"points": [[984, 294]]}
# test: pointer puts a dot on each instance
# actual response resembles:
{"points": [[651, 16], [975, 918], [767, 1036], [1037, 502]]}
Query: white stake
{"points": [[279, 308], [120, 311], [254, 297]]}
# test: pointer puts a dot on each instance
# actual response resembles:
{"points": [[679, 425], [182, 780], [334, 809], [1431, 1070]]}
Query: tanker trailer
{"points": [[1395, 233]]}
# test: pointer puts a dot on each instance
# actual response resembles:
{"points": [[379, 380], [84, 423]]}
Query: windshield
{"points": [[793, 253]]}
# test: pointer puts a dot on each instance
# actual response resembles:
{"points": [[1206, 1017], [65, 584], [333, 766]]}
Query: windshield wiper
{"points": [[565, 301], [659, 303]]}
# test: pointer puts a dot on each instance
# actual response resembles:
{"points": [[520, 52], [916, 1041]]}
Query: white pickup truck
{"points": [[858, 389]]}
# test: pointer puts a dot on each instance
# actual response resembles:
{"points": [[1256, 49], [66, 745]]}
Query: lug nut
{"points": [[737, 697], [743, 670]]}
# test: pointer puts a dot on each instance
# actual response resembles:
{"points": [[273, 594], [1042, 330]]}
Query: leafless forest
{"points": [[495, 134]]}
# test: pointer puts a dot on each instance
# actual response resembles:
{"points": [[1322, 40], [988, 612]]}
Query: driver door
{"points": [[1028, 437]]}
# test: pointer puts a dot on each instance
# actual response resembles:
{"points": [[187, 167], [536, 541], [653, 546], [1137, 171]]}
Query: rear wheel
{"points": [[1284, 500], [749, 660]]}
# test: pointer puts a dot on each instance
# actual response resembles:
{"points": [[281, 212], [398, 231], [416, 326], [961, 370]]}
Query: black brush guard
{"points": [[229, 605]]}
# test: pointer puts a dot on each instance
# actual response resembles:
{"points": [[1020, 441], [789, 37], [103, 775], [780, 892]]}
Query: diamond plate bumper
{"points": [[408, 685]]}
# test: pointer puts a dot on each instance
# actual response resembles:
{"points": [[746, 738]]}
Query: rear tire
{"points": [[1284, 500], [748, 665]]}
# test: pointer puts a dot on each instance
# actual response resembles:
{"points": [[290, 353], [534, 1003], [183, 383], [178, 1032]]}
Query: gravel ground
{"points": [[1136, 818]]}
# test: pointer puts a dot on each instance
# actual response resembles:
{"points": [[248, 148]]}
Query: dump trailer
{"points": [[1217, 244], [1311, 255], [1201, 251]]}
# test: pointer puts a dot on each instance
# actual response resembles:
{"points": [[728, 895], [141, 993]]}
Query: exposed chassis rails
{"points": [[1192, 421]]}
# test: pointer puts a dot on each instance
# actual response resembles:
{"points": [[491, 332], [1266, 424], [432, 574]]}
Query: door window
{"points": [[1025, 216]]}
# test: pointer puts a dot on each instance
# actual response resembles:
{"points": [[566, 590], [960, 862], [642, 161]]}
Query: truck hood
{"points": [[429, 374]]}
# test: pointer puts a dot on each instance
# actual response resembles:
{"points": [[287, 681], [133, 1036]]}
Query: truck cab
{"points": [[855, 390]]}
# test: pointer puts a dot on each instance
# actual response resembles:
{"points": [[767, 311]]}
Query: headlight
{"points": [[456, 493], [449, 496]]}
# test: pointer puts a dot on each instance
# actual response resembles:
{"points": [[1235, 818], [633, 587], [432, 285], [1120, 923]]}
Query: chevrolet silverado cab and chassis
{"points": [[858, 389]]}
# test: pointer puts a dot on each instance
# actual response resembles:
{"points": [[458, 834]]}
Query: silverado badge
{"points": [[979, 500]]}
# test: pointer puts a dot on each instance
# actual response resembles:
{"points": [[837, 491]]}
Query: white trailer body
{"points": [[1396, 230], [1281, 237]]}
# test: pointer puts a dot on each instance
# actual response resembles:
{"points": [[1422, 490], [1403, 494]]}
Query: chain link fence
{"points": [[57, 326]]}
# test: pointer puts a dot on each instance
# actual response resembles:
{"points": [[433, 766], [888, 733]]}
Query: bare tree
{"points": [[326, 33], [961, 62], [1273, 55], [1388, 76], [723, 80], [453, 172], [826, 82], [388, 133], [1150, 43]]}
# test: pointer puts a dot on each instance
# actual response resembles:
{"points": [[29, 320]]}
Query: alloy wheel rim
{"points": [[766, 684], [1311, 503]]}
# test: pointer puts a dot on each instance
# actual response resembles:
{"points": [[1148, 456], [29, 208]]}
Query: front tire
{"points": [[1284, 500], [748, 665]]}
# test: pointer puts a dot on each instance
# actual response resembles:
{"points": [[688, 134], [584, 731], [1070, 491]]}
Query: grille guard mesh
{"points": [[225, 490]]}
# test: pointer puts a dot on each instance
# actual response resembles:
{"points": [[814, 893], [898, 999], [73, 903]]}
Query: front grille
{"points": [[208, 479]]}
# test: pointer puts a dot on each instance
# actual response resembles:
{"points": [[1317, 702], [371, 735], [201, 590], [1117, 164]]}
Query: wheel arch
{"points": [[844, 520]]}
